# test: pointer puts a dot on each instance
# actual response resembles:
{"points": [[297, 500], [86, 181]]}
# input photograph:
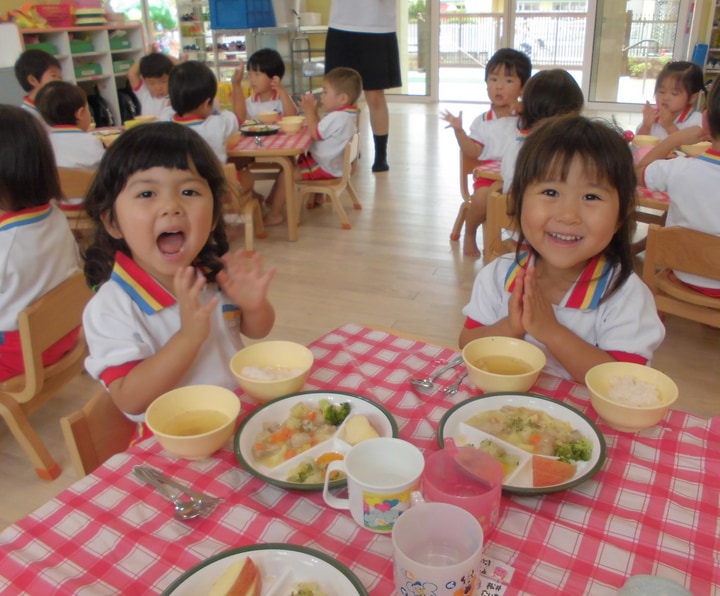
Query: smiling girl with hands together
{"points": [[570, 287], [172, 302]]}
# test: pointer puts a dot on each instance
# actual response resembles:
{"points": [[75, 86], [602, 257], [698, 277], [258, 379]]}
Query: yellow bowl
{"points": [[291, 125], [273, 355], [268, 117], [696, 149], [506, 347], [194, 421], [144, 119], [645, 140], [625, 417]]}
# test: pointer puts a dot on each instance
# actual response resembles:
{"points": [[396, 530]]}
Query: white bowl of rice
{"points": [[630, 397], [272, 369]]}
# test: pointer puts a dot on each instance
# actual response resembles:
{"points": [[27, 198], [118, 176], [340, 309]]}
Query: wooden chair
{"points": [[467, 165], [335, 187], [41, 325], [683, 250], [75, 183], [243, 203], [496, 221], [96, 432]]}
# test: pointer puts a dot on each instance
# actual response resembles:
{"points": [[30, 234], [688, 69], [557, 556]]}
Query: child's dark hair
{"points": [[267, 61], [33, 63], [549, 93], [514, 62], [156, 145], [547, 154], [345, 80], [28, 175], [712, 113], [190, 85], [155, 65], [59, 101], [688, 74]]}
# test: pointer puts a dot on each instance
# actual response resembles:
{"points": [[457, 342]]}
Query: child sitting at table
{"points": [[33, 69], [265, 72], [324, 160], [172, 302], [192, 88], [549, 93], [676, 91], [148, 78], [690, 182], [64, 107], [570, 287], [37, 249]]}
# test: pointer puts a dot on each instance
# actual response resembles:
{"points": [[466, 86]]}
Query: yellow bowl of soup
{"points": [[291, 125], [503, 363], [268, 117], [193, 422]]}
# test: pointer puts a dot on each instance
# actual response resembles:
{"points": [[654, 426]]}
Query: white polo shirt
{"points": [[692, 184], [368, 16], [334, 131], [37, 253], [149, 104], [215, 129], [75, 148], [29, 106], [625, 323], [687, 118], [254, 105], [132, 316]]}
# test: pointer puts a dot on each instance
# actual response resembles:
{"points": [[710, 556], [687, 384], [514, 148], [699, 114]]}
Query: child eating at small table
{"points": [[265, 72]]}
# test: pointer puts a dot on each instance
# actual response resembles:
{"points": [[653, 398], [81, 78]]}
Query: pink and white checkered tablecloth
{"points": [[300, 142], [653, 195], [652, 509]]}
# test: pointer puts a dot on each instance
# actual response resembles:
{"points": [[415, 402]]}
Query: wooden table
{"points": [[280, 149]]}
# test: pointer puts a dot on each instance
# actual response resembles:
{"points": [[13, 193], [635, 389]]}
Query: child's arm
{"points": [[162, 371], [289, 107], [238, 97], [685, 136], [468, 147], [245, 283], [133, 75], [308, 103], [648, 119]]}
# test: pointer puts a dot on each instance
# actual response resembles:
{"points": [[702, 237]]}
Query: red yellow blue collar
{"points": [[522, 135], [29, 103], [24, 217], [188, 120], [684, 115], [256, 98], [145, 291], [66, 128], [710, 156], [348, 109], [587, 290]]}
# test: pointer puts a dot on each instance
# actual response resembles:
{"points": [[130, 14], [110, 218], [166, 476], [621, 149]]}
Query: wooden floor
{"points": [[395, 268]]}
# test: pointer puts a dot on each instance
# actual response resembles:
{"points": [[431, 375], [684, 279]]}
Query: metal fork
{"points": [[258, 142], [453, 389], [201, 498]]}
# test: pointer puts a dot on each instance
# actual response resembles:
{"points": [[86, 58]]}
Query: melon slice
{"points": [[242, 578], [549, 472]]}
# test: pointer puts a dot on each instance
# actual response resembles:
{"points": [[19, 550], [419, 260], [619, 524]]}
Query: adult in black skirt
{"points": [[361, 35]]}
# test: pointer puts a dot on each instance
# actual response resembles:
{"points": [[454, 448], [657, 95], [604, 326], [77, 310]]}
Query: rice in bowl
{"points": [[631, 391]]}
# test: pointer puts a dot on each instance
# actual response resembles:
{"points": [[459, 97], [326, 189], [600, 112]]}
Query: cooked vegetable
{"points": [[573, 450], [334, 414]]}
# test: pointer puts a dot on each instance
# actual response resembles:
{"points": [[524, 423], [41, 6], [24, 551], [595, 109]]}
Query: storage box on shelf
{"points": [[195, 34], [712, 61], [93, 56]]}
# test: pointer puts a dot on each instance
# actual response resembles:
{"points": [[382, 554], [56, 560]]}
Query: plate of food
{"points": [[268, 570], [543, 445], [259, 130], [290, 441]]}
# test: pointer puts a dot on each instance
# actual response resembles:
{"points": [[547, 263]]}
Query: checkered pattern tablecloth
{"points": [[299, 142], [652, 509]]}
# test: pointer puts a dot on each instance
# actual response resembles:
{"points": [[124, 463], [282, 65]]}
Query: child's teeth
{"points": [[565, 237]]}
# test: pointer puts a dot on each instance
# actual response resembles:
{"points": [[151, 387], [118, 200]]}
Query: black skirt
{"points": [[374, 55]]}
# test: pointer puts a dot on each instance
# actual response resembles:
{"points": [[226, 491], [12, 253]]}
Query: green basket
{"points": [[121, 66], [90, 69], [43, 45], [81, 46], [119, 43]]}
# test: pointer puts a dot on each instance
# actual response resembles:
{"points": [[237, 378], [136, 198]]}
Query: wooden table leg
{"points": [[286, 163]]}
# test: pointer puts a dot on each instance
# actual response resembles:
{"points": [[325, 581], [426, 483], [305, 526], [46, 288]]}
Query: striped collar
{"points": [[522, 135], [587, 290], [489, 115], [682, 117], [710, 156], [188, 120], [144, 290], [29, 104], [349, 109], [24, 217], [66, 128], [256, 98]]}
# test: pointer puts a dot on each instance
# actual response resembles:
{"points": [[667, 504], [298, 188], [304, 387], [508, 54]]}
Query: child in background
{"points": [[65, 108], [570, 288], [691, 183], [265, 72], [549, 93], [148, 78], [676, 91], [192, 88], [33, 69], [172, 301], [37, 249], [341, 88]]}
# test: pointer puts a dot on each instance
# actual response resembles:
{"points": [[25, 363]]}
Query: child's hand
{"points": [[665, 117], [691, 135], [453, 121], [538, 316], [648, 114], [276, 84], [243, 279], [238, 73], [308, 103], [515, 306], [194, 315]]}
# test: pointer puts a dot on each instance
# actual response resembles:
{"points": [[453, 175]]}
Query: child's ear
{"points": [[34, 83], [111, 225], [693, 98], [345, 99]]}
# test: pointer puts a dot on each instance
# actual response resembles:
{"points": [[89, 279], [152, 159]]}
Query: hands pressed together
{"points": [[529, 311]]}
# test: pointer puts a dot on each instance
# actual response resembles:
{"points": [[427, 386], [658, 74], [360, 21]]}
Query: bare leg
{"points": [[476, 213], [277, 197]]}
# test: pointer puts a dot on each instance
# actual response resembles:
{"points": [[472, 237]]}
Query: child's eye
{"points": [[550, 192], [592, 197], [189, 192], [146, 194]]}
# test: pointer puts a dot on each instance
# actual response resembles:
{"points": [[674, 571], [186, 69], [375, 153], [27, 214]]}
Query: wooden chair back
{"points": [[241, 202], [690, 251], [96, 432], [42, 324], [496, 221], [336, 186], [75, 183], [467, 165]]}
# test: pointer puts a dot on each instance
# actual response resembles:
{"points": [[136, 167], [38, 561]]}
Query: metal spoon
{"points": [[184, 510], [201, 498], [428, 383], [453, 389], [258, 142]]}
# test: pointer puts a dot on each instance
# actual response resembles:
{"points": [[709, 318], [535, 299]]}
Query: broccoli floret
{"points": [[570, 451], [334, 414]]}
